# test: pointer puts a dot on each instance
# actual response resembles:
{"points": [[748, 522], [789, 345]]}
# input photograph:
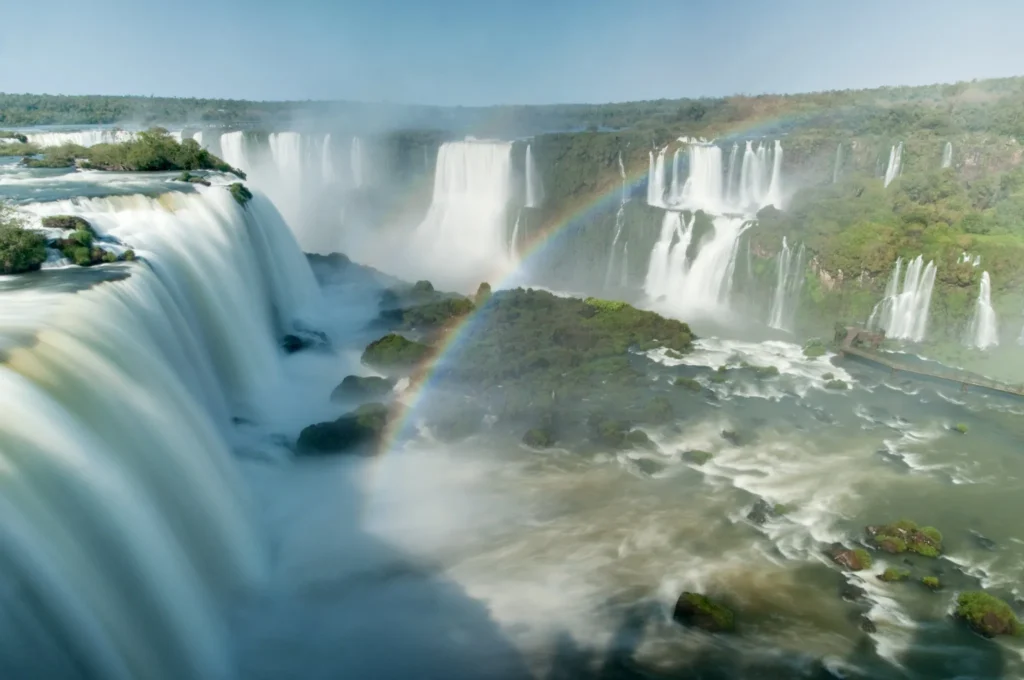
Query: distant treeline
{"points": [[994, 105]]}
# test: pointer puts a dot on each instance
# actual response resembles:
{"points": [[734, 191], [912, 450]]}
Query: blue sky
{"points": [[478, 52]]}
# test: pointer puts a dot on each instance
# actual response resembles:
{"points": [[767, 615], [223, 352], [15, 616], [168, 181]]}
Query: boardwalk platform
{"points": [[862, 345]]}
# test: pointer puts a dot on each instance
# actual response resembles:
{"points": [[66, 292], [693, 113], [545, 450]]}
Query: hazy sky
{"points": [[490, 51]]}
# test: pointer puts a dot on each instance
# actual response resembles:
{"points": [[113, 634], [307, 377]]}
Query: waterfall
{"points": [[903, 313], [674, 190], [534, 189], [327, 161], [198, 136], [513, 247], [656, 179], [774, 196], [731, 177], [892, 171], [838, 163], [462, 239], [703, 189], [233, 151], [356, 161], [947, 155], [984, 330], [124, 523], [788, 284], [79, 137], [620, 220]]}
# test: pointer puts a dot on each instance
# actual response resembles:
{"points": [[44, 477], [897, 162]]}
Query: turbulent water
{"points": [[903, 311], [155, 523], [984, 329]]}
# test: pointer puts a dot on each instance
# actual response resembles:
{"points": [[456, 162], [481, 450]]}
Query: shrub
{"points": [[986, 614], [931, 582], [893, 574], [240, 193], [21, 250]]}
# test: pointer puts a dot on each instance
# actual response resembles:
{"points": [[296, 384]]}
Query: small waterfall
{"points": [[656, 179], [620, 219], [79, 137], [903, 313], [514, 244], [838, 163], [198, 136], [534, 189], [233, 151], [984, 330], [125, 524], [356, 162], [703, 189], [947, 155], [327, 161], [892, 171], [732, 178], [774, 196], [788, 284], [462, 239]]}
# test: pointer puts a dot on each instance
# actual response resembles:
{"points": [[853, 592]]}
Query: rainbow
{"points": [[558, 227]]}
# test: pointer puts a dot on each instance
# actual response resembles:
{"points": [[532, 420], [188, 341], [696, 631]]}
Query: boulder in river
{"points": [[905, 535], [699, 611], [854, 559], [362, 387], [353, 431], [986, 615]]}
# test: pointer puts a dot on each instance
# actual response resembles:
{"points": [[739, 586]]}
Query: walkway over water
{"points": [[863, 345]]}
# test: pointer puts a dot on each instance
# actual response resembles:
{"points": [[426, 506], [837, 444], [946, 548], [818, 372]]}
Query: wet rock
{"points": [[867, 625], [851, 592], [986, 615], [761, 512], [696, 457], [304, 339], [893, 574], [854, 560], [353, 431], [648, 466], [983, 542], [699, 611], [362, 387]]}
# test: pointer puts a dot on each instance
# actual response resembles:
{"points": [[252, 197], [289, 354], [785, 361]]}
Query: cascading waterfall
{"points": [[534, 189], [892, 170], [513, 246], [731, 198], [233, 151], [838, 163], [788, 284], [984, 329], [463, 239], [79, 137], [656, 179], [674, 189], [123, 523], [903, 313], [327, 161], [356, 162], [947, 155]]}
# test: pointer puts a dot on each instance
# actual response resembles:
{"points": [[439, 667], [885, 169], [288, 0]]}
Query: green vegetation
{"points": [[931, 582], [187, 176], [961, 428], [394, 354], [857, 559], [694, 609], [986, 614], [689, 383], [483, 294], [836, 385], [17, 136], [64, 156], [21, 250], [538, 438], [904, 536], [354, 430], [14, 148], [240, 193], [893, 574], [67, 222]]}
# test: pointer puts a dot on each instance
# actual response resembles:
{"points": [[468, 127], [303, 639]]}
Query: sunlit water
{"points": [[487, 559]]}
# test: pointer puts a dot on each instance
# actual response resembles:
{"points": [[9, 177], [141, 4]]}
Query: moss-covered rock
{"points": [[699, 611], [814, 348], [68, 223], [856, 559], [187, 176], [904, 536], [961, 428], [931, 582], [697, 457], [362, 387], [617, 434], [21, 250], [986, 614], [394, 354], [836, 385], [828, 376], [240, 193], [720, 375], [892, 574], [539, 438], [689, 383], [354, 431]]}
